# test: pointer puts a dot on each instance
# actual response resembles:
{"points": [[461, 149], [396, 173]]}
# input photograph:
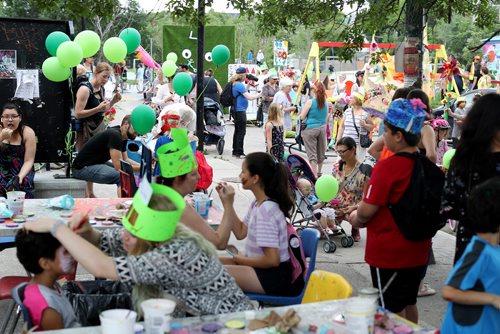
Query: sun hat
{"points": [[407, 115], [150, 224], [241, 70], [176, 158], [273, 75]]}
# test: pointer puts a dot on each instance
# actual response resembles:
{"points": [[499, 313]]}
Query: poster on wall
{"points": [[280, 53], [8, 64]]}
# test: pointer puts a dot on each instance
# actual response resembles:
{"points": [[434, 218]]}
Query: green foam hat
{"points": [[150, 224], [176, 158]]}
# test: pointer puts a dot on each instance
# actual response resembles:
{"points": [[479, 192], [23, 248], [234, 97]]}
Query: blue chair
{"points": [[7, 242], [309, 239], [18, 296], [134, 150]]}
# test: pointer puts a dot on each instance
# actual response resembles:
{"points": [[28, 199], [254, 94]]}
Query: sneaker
{"points": [[355, 234], [426, 290]]}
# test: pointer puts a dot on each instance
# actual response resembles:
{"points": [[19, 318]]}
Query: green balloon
{"points": [[168, 68], [447, 158], [114, 49], [310, 74], [53, 40], [326, 188], [182, 83], [89, 41], [143, 119], [172, 56], [220, 54], [132, 39], [54, 70], [69, 54]]}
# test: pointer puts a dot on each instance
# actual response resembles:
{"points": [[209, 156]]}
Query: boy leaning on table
{"points": [[473, 287], [396, 264], [43, 255]]}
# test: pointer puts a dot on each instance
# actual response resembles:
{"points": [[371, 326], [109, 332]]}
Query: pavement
{"points": [[348, 262]]}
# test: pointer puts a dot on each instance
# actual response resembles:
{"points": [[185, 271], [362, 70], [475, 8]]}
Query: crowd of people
{"points": [[165, 248]]}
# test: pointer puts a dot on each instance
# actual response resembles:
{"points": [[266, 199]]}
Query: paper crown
{"points": [[150, 224], [406, 114], [176, 158], [360, 96]]}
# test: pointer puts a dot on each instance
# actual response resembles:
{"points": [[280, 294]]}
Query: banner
{"points": [[280, 53]]}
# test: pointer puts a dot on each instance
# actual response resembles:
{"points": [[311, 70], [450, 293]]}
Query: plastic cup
{"points": [[370, 293], [15, 201], [202, 204], [118, 321], [157, 315], [360, 315]]}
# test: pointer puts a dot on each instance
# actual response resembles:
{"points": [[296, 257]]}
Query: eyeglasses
{"points": [[477, 58], [342, 152], [10, 117]]}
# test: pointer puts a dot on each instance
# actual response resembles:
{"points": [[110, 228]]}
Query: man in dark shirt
{"points": [[92, 163], [473, 72]]}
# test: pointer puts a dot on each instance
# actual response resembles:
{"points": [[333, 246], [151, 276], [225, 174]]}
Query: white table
{"points": [[318, 314]]}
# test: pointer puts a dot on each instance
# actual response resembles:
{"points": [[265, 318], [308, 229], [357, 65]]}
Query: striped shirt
{"points": [[349, 129], [266, 228]]}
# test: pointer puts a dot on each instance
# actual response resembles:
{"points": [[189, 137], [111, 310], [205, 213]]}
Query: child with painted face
{"points": [[43, 255]]}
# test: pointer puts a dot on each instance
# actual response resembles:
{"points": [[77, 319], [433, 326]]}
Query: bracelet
{"points": [[55, 227]]}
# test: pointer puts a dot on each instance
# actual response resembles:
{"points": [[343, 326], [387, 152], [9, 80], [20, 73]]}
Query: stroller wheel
{"points": [[351, 241], [329, 247], [220, 146], [344, 242]]}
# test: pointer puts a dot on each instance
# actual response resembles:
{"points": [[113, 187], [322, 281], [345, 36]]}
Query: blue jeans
{"points": [[103, 174]]}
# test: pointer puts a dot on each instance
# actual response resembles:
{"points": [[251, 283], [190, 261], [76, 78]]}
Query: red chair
{"points": [[126, 187], [7, 283]]}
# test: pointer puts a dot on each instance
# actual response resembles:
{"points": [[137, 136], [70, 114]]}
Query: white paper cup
{"points": [[157, 315], [360, 315], [118, 321], [15, 201]]}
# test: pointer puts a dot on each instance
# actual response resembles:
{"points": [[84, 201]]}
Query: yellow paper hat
{"points": [[150, 224], [360, 96], [176, 158]]}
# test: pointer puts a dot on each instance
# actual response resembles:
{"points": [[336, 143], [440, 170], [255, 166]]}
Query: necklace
{"points": [[347, 172]]}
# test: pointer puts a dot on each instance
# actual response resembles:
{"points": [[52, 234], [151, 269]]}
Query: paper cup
{"points": [[118, 321], [202, 206], [360, 315], [15, 201], [157, 315]]}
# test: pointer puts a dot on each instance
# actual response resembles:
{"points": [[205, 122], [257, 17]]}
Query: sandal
{"points": [[355, 234], [426, 290]]}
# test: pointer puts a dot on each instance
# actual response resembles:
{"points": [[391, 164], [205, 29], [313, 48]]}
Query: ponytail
{"points": [[274, 177]]}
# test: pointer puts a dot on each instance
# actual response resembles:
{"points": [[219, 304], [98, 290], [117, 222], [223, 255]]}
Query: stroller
{"points": [[299, 168], [215, 129]]}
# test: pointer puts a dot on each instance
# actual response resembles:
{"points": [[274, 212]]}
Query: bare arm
{"points": [[115, 155], [51, 320], [135, 165], [29, 142], [269, 136], [219, 88], [226, 194], [195, 222], [470, 297], [270, 259], [367, 124], [305, 110], [364, 213], [251, 97], [340, 133], [429, 142], [375, 149]]}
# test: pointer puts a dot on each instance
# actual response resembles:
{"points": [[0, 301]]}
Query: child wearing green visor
{"points": [[146, 254], [178, 170]]}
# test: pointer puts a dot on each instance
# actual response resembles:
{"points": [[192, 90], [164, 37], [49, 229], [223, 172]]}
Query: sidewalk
{"points": [[348, 262]]}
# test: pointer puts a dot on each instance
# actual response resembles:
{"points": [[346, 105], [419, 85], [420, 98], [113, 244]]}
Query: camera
{"points": [[252, 77]]}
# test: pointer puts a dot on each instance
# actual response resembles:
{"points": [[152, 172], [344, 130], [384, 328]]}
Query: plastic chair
{"points": [[146, 163], [18, 296], [309, 239], [324, 285], [133, 148], [7, 283]]}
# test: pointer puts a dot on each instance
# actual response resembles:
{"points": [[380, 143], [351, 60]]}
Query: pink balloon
{"points": [[146, 58]]}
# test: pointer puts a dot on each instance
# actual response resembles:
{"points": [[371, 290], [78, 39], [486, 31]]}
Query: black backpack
{"points": [[226, 97], [417, 212]]}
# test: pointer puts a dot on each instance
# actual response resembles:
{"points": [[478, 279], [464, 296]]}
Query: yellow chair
{"points": [[324, 285]]}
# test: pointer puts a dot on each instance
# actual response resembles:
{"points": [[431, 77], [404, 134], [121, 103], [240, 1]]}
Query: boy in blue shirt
{"points": [[473, 288]]}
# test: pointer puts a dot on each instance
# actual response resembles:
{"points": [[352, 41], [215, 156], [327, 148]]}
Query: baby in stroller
{"points": [[324, 214]]}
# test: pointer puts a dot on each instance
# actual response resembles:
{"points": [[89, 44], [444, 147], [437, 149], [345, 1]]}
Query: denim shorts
{"points": [[103, 174]]}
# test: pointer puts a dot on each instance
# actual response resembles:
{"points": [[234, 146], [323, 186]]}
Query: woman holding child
{"points": [[265, 265]]}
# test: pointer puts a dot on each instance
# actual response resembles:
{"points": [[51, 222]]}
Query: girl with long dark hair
{"points": [[265, 265], [477, 159]]}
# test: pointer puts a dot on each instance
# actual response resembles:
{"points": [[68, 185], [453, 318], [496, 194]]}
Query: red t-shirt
{"points": [[386, 247]]}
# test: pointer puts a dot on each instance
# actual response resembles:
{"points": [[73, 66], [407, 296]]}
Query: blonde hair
{"points": [[238, 77], [103, 67], [275, 114]]}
